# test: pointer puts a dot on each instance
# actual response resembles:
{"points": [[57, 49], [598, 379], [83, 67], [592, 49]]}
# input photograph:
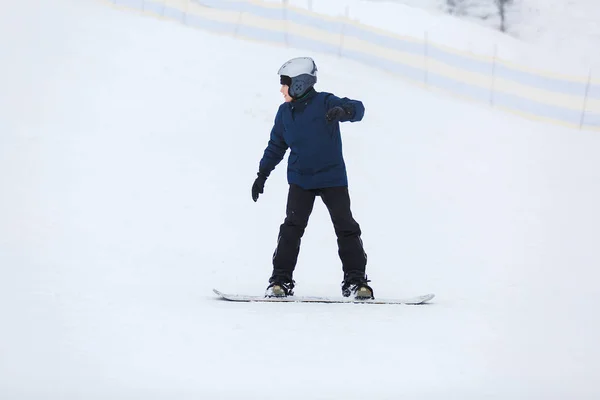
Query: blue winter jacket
{"points": [[316, 159]]}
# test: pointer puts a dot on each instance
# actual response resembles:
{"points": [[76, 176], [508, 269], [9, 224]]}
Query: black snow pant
{"points": [[299, 207]]}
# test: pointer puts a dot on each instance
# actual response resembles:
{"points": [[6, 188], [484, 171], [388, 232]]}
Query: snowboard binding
{"points": [[279, 287], [358, 287]]}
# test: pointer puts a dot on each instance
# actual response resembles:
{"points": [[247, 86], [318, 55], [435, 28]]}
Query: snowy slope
{"points": [[537, 39], [570, 28], [128, 147], [565, 29]]}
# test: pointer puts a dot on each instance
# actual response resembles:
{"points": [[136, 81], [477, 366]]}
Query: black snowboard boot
{"points": [[280, 287], [357, 286]]}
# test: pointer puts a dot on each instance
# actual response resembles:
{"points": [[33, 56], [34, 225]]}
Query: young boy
{"points": [[308, 123]]}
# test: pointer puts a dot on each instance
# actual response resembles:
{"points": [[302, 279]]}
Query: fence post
{"points": [[343, 30], [309, 4], [585, 99], [493, 87], [164, 7], [284, 9], [425, 58], [187, 11], [237, 25]]}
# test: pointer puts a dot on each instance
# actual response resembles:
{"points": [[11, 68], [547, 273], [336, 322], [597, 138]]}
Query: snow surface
{"points": [[554, 35], [128, 146]]}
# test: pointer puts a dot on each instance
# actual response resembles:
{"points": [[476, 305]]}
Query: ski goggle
{"points": [[285, 80]]}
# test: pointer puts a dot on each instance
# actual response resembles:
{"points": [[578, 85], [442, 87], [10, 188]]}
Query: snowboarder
{"points": [[308, 124]]}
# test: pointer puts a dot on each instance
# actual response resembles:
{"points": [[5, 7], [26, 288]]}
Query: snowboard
{"points": [[316, 299]]}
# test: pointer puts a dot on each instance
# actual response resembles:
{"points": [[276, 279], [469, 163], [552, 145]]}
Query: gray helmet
{"points": [[300, 74]]}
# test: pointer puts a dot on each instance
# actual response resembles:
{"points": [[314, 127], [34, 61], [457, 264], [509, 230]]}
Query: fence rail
{"points": [[572, 101]]}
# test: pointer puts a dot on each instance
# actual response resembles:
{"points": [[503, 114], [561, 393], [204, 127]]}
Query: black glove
{"points": [[258, 186], [337, 113]]}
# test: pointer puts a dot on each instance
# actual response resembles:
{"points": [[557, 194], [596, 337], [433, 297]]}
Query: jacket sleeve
{"points": [[275, 149], [355, 110]]}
